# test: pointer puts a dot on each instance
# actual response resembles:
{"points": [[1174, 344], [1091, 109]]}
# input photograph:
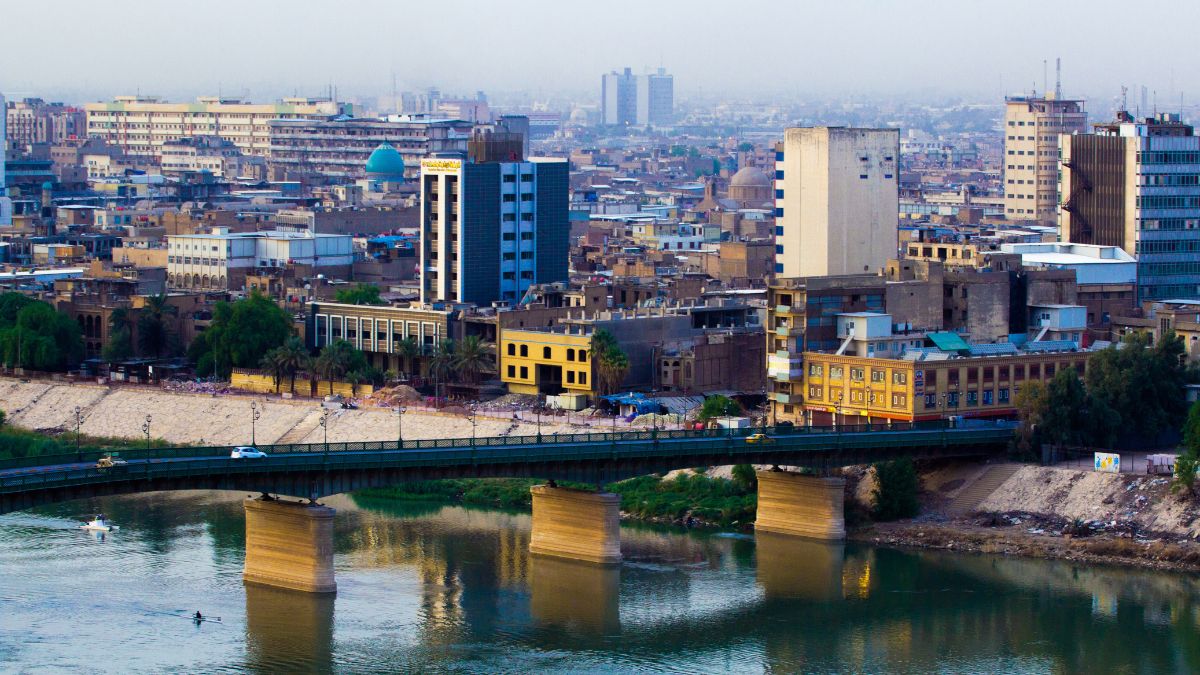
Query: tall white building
{"points": [[628, 100], [655, 98], [1031, 129], [836, 200], [222, 259], [618, 98]]}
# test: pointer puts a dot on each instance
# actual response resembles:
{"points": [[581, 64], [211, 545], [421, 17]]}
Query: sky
{"points": [[80, 50]]}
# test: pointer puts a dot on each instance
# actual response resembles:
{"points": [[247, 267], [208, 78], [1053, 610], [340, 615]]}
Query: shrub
{"points": [[896, 490]]}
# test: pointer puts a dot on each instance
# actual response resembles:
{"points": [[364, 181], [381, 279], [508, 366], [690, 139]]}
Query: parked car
{"points": [[247, 452], [759, 438]]}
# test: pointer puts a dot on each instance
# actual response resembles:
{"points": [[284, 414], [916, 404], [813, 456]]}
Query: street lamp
{"points": [[146, 430], [324, 422], [400, 427], [539, 418], [255, 413], [471, 409], [78, 424]]}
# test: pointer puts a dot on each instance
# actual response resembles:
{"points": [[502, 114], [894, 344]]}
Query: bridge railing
{"points": [[660, 435]]}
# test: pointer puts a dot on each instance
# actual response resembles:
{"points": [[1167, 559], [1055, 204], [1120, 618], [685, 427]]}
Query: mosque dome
{"points": [[749, 176], [385, 162]]}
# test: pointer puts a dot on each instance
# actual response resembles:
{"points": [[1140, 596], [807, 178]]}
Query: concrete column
{"points": [[289, 545], [799, 505], [577, 525]]}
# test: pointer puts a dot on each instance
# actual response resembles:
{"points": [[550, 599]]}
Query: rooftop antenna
{"points": [[1045, 79], [1058, 77]]}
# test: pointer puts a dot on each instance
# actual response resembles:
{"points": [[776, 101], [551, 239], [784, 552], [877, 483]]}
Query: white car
{"points": [[247, 452]]}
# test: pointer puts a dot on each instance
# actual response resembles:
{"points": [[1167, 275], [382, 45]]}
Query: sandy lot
{"points": [[223, 419]]}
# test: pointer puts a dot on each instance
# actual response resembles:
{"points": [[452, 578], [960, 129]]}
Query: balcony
{"points": [[787, 399], [788, 331]]}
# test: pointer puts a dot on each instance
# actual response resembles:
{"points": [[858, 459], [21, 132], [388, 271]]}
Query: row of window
{"points": [[1169, 246], [859, 397], [857, 374], [573, 377], [1168, 157], [573, 354], [1168, 223], [1168, 202], [972, 398], [1168, 269]]}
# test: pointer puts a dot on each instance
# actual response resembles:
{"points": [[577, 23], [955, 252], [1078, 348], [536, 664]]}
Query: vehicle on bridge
{"points": [[247, 452], [759, 439], [110, 461]]}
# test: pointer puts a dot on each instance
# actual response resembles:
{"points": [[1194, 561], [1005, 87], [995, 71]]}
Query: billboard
{"points": [[1108, 462]]}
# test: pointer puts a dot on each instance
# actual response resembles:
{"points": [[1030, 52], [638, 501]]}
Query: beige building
{"points": [[837, 200], [140, 125], [1031, 129]]}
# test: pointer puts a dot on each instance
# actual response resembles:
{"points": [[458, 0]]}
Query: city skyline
{"points": [[292, 53]]}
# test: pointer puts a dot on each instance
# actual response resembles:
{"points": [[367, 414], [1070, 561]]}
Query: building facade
{"points": [[1032, 126], [32, 121], [221, 260], [1136, 185], [837, 201], [490, 230], [140, 125], [618, 98], [655, 98], [378, 331], [546, 360]]}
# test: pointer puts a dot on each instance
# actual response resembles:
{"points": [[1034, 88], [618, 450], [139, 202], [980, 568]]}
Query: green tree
{"points": [[154, 331], [443, 362], [38, 336], [471, 359], [409, 350], [1142, 383], [719, 406], [337, 359], [745, 477], [896, 490], [360, 294], [272, 363], [1064, 420], [745, 146], [610, 364], [240, 334], [120, 342], [1188, 461]]}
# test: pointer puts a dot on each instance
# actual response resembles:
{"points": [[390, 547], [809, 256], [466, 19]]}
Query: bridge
{"points": [[289, 544]]}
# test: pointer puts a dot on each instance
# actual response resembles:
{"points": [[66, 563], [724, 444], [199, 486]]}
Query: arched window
{"points": [[570, 354], [583, 356], [524, 350], [512, 349], [545, 352]]}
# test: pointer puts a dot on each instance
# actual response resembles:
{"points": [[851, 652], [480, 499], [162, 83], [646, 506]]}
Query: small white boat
{"points": [[99, 524]]}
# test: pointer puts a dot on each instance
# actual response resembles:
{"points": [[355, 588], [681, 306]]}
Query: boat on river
{"points": [[99, 524]]}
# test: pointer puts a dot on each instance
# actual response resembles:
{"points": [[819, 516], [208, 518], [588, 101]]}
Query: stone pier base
{"points": [[289, 545], [577, 525], [802, 506]]}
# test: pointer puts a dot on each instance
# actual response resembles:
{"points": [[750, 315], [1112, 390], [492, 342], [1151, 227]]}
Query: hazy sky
{"points": [[82, 49]]}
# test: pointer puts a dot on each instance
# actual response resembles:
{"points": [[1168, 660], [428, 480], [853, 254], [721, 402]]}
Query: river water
{"points": [[430, 588]]}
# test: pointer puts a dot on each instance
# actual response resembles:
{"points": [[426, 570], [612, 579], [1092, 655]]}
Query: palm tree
{"points": [[334, 361], [355, 378], [408, 349], [442, 362], [119, 346], [609, 362], [472, 359], [154, 333], [292, 357], [272, 362], [312, 366]]}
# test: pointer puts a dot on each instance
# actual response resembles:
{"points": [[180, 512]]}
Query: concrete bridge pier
{"points": [[289, 545], [800, 505], [576, 525]]}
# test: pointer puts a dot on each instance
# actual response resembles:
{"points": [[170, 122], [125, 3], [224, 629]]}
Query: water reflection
{"points": [[288, 631], [790, 567], [575, 596]]}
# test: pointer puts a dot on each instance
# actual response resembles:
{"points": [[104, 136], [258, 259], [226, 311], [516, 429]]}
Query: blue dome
{"points": [[386, 162]]}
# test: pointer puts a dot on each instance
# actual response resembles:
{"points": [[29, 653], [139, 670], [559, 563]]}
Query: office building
{"points": [[491, 229], [317, 150], [1032, 126], [836, 201], [140, 125], [1136, 185], [655, 98], [618, 98], [32, 121]]}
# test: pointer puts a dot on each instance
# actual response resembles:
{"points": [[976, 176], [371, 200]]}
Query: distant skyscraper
{"points": [[1134, 184], [655, 98], [837, 200], [5, 202], [490, 229], [1031, 129], [618, 98]]}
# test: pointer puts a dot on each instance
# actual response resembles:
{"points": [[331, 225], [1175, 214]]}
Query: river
{"points": [[432, 588]]}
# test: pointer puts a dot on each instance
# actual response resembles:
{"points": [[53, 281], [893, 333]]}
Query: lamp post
{"points": [[146, 430], [471, 409], [255, 413], [324, 422], [837, 408], [539, 418], [78, 424], [400, 427]]}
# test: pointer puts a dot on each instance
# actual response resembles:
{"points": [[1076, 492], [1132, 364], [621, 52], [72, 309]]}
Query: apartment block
{"points": [[836, 201], [1032, 126], [222, 259]]}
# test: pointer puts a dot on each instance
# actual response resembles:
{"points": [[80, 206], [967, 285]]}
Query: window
{"points": [[835, 372], [524, 373], [899, 377], [512, 349], [570, 377], [930, 400], [899, 400], [512, 371], [582, 377], [814, 392], [857, 374], [546, 352], [570, 354], [878, 375], [972, 398], [1002, 395], [815, 369], [583, 356], [952, 399], [987, 397], [524, 351]]}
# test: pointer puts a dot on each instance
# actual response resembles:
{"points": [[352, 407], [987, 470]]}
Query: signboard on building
{"points": [[1108, 462], [438, 166]]}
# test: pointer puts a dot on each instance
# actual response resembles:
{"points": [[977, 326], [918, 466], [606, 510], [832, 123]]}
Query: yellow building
{"points": [[546, 361], [855, 390]]}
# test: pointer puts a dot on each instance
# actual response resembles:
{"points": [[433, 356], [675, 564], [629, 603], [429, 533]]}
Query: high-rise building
{"points": [[1032, 126], [32, 121], [5, 202], [655, 98], [140, 125], [618, 98], [1136, 185], [491, 229], [836, 200]]}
